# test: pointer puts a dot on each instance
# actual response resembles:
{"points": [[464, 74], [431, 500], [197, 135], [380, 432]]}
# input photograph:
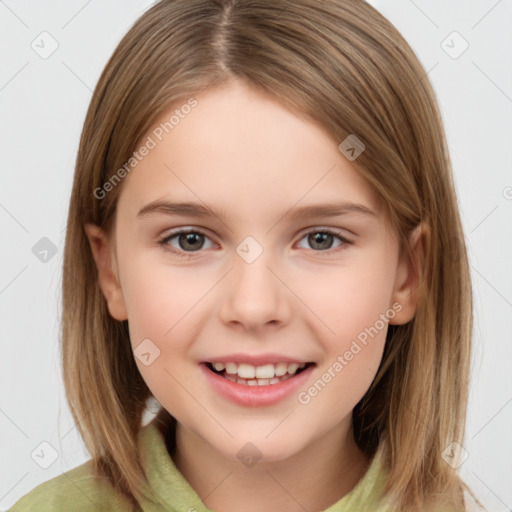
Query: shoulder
{"points": [[77, 489]]}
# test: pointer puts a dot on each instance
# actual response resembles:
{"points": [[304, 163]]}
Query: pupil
{"points": [[319, 238], [193, 239]]}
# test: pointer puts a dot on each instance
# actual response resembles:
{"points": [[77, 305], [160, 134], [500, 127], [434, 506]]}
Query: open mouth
{"points": [[266, 375]]}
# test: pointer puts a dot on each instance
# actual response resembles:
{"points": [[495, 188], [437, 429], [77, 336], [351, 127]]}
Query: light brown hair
{"points": [[343, 65]]}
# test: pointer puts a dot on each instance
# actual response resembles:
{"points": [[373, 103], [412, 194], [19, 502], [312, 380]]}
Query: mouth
{"points": [[265, 375]]}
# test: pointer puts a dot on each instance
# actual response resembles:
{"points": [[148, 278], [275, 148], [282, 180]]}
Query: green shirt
{"points": [[78, 490]]}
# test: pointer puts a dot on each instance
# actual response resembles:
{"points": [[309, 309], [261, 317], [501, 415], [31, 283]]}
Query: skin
{"points": [[241, 151]]}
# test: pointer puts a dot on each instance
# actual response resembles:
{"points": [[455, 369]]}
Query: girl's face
{"points": [[263, 277]]}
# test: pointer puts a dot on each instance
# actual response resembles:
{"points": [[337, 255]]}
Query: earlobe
{"points": [[107, 271], [408, 275]]}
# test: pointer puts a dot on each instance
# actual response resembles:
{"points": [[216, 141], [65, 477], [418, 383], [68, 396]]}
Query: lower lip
{"points": [[256, 396]]}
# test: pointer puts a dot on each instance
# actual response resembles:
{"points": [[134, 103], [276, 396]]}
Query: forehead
{"points": [[241, 149]]}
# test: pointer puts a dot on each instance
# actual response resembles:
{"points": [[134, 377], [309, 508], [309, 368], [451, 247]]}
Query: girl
{"points": [[264, 237]]}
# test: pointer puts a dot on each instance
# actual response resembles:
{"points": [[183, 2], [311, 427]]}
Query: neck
{"points": [[313, 479]]}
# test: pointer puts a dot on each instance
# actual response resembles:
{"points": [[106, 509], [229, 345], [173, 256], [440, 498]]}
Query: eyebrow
{"points": [[323, 210]]}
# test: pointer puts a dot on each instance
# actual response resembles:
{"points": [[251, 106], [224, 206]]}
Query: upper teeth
{"points": [[267, 371]]}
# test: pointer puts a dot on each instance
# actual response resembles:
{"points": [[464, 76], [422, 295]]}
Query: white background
{"points": [[43, 104]]}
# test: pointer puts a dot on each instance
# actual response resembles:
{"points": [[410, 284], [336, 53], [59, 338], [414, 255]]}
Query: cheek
{"points": [[351, 359], [158, 298], [348, 299], [160, 303], [353, 313]]}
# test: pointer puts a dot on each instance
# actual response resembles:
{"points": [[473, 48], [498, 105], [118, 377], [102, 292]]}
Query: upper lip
{"points": [[255, 360]]}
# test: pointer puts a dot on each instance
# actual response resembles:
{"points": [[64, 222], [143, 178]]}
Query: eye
{"points": [[188, 241], [185, 242], [321, 240]]}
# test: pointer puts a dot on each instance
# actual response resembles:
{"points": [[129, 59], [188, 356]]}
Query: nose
{"points": [[254, 295]]}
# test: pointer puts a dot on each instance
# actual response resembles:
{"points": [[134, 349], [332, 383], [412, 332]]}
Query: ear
{"points": [[107, 271], [407, 278]]}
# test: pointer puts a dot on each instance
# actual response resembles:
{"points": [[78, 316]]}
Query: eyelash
{"points": [[164, 242]]}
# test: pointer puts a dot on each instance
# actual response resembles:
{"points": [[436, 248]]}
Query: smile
{"points": [[249, 375], [256, 386]]}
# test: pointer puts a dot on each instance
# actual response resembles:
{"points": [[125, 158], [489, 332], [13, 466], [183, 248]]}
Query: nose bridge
{"points": [[255, 296]]}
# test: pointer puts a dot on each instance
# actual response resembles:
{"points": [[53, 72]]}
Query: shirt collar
{"points": [[170, 491]]}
